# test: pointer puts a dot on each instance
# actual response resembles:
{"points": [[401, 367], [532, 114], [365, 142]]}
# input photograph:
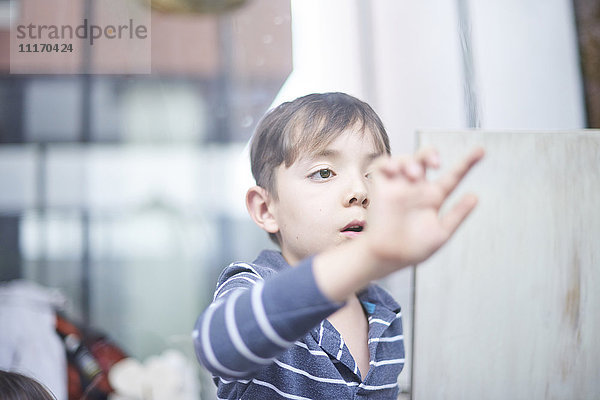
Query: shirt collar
{"points": [[273, 259], [375, 295]]}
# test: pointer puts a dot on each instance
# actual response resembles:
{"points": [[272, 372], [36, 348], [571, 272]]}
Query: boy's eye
{"points": [[324, 173]]}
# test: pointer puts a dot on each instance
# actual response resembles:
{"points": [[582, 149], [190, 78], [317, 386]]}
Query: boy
{"points": [[343, 214]]}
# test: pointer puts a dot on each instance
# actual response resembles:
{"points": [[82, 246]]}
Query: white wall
{"points": [[405, 59], [527, 64]]}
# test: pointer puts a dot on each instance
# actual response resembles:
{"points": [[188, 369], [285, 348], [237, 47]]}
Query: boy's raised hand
{"points": [[404, 223], [404, 226]]}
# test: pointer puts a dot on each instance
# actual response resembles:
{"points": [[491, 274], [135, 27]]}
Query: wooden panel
{"points": [[510, 307]]}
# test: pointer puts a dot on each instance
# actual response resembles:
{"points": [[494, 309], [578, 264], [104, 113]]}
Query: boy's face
{"points": [[323, 197]]}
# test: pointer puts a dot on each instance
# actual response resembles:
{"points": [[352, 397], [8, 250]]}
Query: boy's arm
{"points": [[268, 314], [404, 225]]}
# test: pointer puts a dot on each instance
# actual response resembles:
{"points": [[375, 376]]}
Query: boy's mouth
{"points": [[354, 226]]}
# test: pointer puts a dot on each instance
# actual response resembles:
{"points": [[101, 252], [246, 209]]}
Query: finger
{"points": [[400, 166], [385, 165], [428, 157], [412, 169], [453, 218], [449, 181]]}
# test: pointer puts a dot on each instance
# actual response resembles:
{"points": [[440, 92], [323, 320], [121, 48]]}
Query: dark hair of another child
{"points": [[14, 386]]}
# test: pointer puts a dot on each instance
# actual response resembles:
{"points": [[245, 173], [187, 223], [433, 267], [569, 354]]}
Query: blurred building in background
{"points": [[118, 188]]}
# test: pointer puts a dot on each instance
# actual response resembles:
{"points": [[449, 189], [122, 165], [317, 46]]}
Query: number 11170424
{"points": [[46, 48]]}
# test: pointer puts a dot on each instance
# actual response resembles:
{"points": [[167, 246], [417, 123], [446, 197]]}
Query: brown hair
{"points": [[14, 386], [309, 122]]}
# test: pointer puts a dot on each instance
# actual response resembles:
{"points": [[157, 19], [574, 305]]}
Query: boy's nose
{"points": [[357, 196]]}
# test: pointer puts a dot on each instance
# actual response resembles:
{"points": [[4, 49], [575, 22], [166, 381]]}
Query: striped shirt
{"points": [[265, 336]]}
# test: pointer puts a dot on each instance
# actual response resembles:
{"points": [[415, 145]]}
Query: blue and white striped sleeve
{"points": [[251, 321]]}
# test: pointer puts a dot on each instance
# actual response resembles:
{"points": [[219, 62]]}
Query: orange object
{"points": [[89, 356]]}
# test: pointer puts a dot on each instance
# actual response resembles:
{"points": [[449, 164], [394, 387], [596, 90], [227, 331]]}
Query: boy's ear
{"points": [[259, 204]]}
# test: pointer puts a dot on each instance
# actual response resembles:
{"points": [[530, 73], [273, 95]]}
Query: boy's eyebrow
{"points": [[333, 154], [325, 153], [373, 156]]}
